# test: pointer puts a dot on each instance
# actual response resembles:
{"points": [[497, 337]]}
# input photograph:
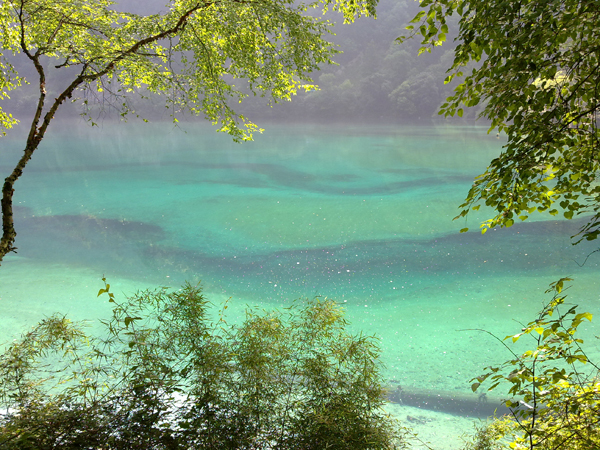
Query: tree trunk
{"points": [[8, 229]]}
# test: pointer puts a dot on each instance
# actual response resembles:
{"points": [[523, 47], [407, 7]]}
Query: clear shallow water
{"points": [[361, 214]]}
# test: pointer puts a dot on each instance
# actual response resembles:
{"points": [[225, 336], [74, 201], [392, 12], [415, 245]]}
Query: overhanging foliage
{"points": [[537, 70]]}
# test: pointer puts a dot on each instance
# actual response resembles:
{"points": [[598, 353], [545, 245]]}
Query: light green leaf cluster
{"points": [[192, 55], [350, 9], [536, 71], [9, 78]]}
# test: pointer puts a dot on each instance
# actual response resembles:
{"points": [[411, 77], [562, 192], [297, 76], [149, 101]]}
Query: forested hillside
{"points": [[375, 79]]}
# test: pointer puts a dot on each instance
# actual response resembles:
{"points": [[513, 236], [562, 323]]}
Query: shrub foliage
{"points": [[167, 373], [554, 388]]}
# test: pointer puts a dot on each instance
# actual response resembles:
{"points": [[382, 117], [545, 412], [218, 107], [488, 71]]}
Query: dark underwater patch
{"points": [[91, 228], [366, 268], [86, 240]]}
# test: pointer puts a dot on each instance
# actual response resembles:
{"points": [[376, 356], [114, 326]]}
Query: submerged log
{"points": [[457, 403]]}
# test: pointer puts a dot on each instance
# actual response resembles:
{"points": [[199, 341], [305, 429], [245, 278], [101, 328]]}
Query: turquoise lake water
{"points": [[358, 213]]}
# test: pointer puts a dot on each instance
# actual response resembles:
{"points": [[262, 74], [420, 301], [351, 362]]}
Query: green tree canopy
{"points": [[192, 55], [535, 67]]}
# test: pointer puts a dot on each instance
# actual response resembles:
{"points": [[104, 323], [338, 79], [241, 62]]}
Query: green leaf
{"points": [[559, 286], [585, 315], [129, 320]]}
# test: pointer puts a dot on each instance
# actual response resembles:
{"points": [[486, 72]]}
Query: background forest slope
{"points": [[376, 79]]}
